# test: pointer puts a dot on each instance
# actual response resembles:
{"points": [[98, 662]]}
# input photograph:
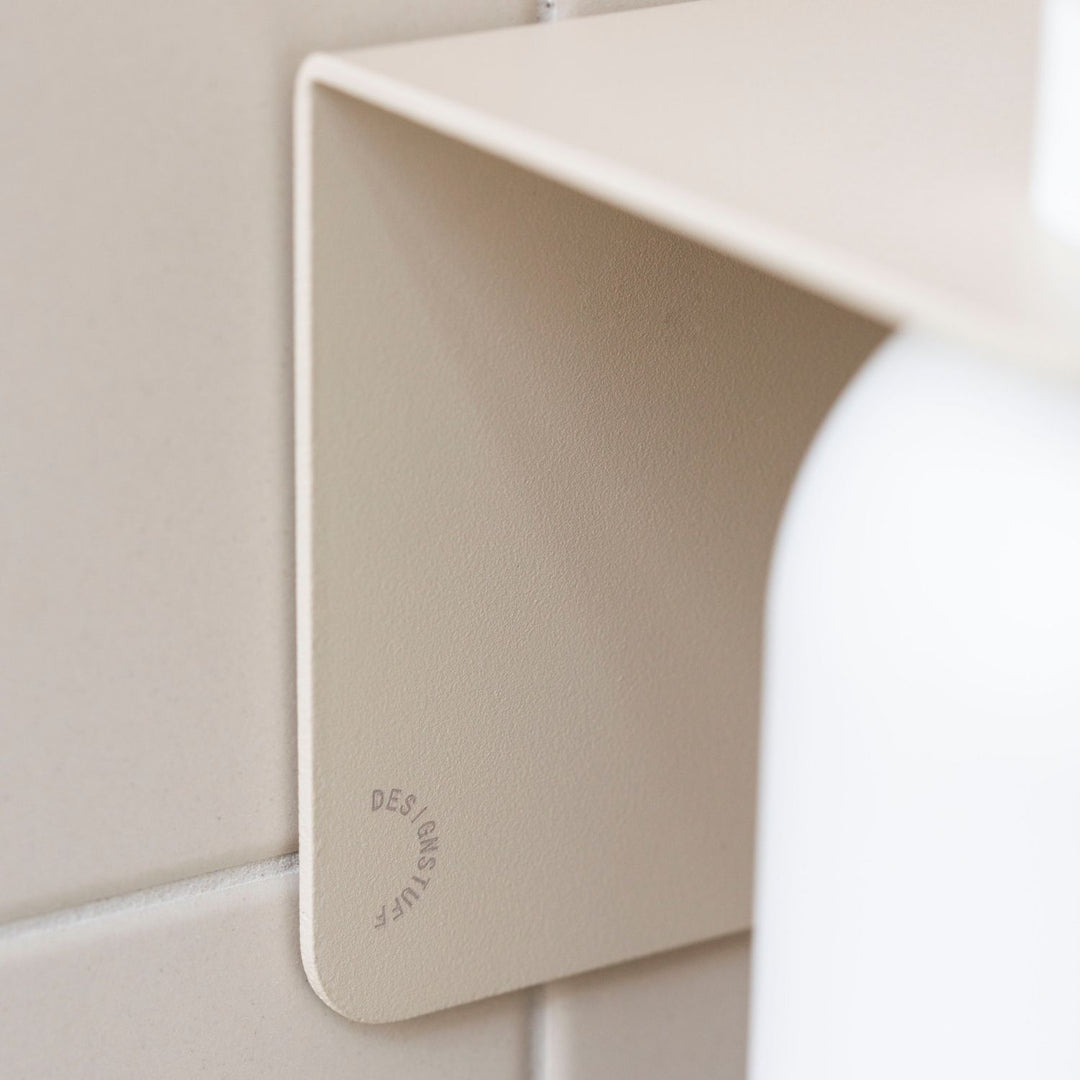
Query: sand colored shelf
{"points": [[877, 154]]}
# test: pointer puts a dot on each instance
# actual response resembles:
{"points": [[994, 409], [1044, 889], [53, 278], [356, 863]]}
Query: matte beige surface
{"points": [[542, 447], [681, 1015], [146, 613], [211, 985], [876, 152]]}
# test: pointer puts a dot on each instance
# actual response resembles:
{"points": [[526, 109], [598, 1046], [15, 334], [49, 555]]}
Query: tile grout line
{"points": [[547, 11], [536, 1057], [169, 892]]}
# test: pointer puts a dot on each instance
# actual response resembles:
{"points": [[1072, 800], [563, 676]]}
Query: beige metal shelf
{"points": [[543, 441], [876, 153]]}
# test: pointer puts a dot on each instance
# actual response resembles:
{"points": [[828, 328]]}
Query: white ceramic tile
{"points": [[680, 1014], [211, 985], [146, 642]]}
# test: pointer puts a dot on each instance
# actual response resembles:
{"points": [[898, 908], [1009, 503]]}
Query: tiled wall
{"points": [[147, 792]]}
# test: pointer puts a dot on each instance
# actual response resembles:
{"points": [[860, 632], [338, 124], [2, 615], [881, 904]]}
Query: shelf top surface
{"points": [[875, 153]]}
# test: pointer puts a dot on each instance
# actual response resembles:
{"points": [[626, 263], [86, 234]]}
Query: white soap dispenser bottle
{"points": [[918, 888]]}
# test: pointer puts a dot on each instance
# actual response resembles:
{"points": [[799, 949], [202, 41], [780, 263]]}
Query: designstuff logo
{"points": [[418, 876]]}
